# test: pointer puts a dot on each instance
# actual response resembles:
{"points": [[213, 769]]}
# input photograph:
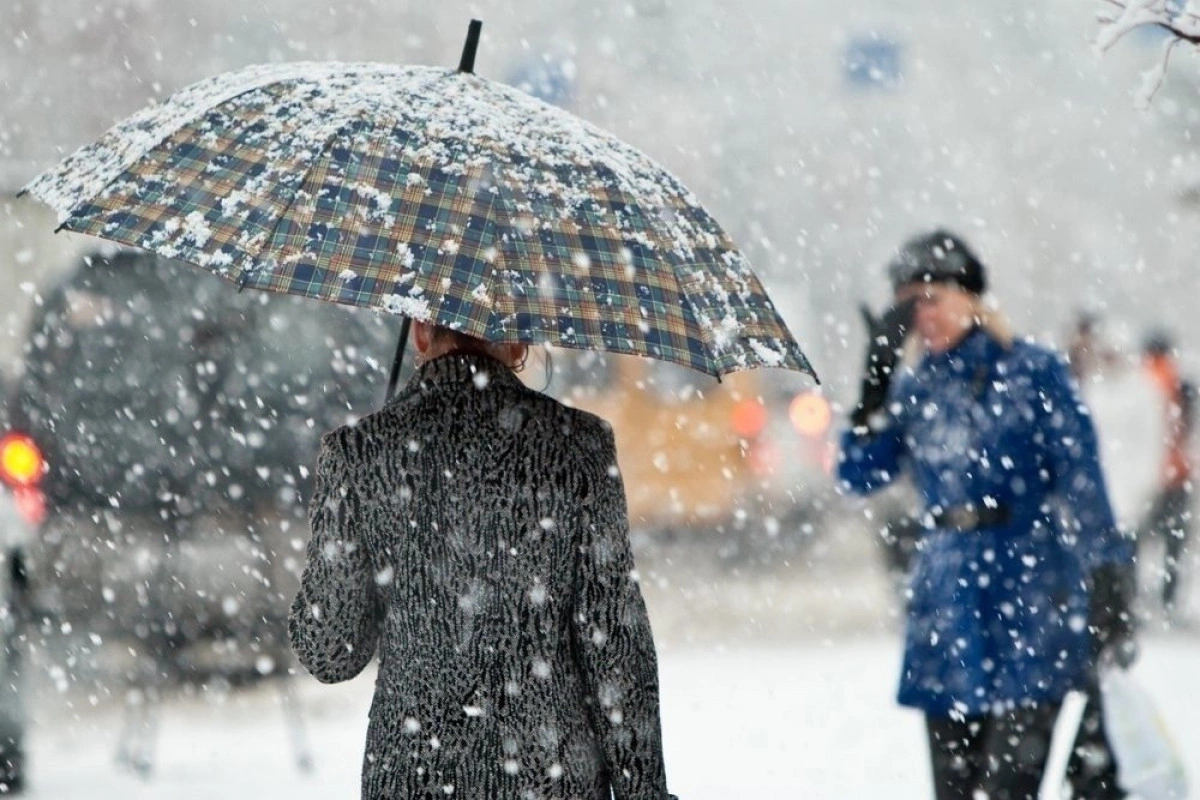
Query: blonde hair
{"points": [[993, 321], [988, 317]]}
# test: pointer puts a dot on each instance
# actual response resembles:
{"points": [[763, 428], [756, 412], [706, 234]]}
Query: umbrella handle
{"points": [[394, 378], [467, 63]]}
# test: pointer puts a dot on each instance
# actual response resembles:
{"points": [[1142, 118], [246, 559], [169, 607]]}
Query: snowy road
{"points": [[805, 720]]}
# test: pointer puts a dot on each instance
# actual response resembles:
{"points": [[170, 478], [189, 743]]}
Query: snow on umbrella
{"points": [[430, 193]]}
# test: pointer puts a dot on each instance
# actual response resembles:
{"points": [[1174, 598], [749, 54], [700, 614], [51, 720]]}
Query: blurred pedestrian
{"points": [[1084, 350], [1170, 515], [1011, 604], [474, 533]]}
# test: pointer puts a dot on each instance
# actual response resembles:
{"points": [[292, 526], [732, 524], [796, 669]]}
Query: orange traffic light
{"points": [[810, 414]]}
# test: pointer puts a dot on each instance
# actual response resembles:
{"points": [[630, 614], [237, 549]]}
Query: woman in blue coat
{"points": [[1022, 580]]}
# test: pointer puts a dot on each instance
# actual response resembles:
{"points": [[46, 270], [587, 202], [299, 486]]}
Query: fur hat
{"points": [[937, 257]]}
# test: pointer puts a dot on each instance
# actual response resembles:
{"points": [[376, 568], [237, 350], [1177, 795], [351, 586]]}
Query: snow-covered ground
{"points": [[808, 720], [777, 683]]}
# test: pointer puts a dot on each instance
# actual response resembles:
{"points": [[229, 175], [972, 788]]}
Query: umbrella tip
{"points": [[467, 64]]}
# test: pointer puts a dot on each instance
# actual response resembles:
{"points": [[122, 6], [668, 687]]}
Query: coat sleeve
{"points": [[334, 621], [612, 638], [1069, 439], [868, 462]]}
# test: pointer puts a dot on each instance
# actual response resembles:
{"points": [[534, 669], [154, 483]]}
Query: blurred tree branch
{"points": [[1180, 21]]}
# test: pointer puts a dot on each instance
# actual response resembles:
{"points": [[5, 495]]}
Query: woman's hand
{"points": [[1110, 617], [887, 333]]}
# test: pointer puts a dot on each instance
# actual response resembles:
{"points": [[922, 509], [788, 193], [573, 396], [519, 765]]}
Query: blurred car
{"points": [[745, 460], [178, 420]]}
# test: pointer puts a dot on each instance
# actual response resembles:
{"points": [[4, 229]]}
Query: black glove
{"points": [[1110, 617], [887, 334]]}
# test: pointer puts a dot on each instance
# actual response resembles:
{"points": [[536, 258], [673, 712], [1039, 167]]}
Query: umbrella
{"points": [[430, 193]]}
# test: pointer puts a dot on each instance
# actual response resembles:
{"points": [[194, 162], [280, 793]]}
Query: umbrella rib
{"points": [[130, 161], [246, 271], [690, 308], [338, 131], [497, 199]]}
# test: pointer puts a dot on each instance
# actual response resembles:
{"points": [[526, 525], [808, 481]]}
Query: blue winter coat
{"points": [[997, 616]]}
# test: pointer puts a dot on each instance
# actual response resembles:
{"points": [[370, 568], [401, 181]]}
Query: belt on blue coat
{"points": [[969, 517]]}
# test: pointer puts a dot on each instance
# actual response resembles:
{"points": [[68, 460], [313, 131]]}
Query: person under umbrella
{"points": [[460, 204], [474, 533], [1001, 623]]}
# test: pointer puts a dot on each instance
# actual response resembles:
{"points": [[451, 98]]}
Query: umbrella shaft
{"points": [[394, 378], [467, 62]]}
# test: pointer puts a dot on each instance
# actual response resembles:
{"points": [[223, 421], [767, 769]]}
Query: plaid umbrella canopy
{"points": [[430, 193]]}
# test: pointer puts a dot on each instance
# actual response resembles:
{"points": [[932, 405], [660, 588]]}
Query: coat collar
{"points": [[976, 347], [459, 369]]}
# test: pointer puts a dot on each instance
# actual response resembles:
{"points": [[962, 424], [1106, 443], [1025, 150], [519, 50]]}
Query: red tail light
{"points": [[749, 417], [21, 463], [31, 504]]}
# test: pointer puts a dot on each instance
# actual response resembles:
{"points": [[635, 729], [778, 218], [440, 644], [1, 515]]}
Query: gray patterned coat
{"points": [[474, 533]]}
